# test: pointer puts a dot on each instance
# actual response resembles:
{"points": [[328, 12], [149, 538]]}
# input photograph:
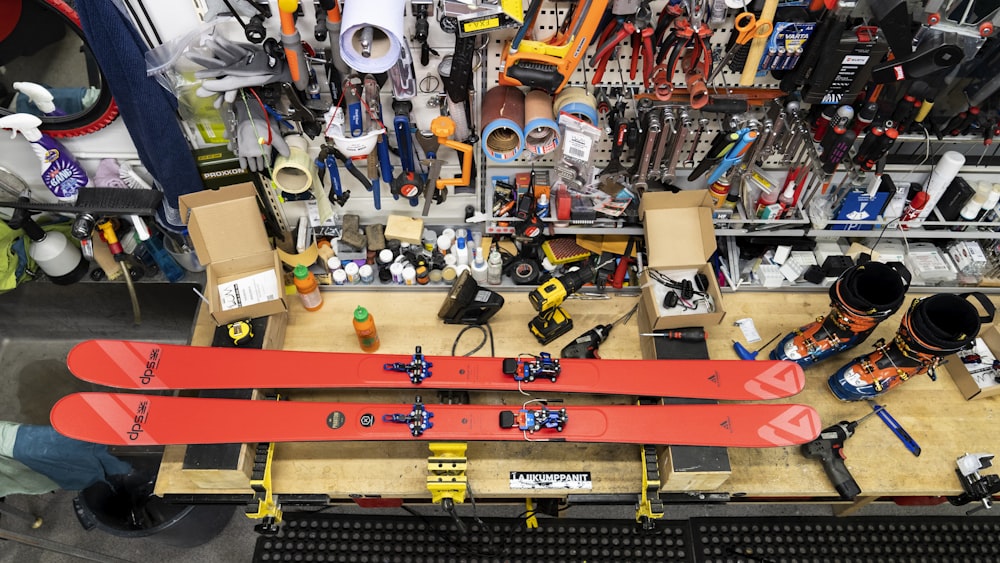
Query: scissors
{"points": [[748, 28]]}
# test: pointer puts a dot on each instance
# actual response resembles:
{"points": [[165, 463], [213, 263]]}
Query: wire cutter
{"points": [[639, 26]]}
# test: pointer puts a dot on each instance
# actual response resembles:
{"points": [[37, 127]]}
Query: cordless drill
{"points": [[829, 449], [585, 345], [552, 321]]}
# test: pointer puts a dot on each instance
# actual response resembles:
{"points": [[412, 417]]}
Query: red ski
{"points": [[145, 420], [150, 366]]}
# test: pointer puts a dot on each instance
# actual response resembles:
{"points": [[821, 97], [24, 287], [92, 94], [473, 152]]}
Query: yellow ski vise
{"points": [[548, 64]]}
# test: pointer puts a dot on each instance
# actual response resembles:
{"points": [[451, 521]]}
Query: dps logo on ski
{"points": [[141, 412], [151, 364]]}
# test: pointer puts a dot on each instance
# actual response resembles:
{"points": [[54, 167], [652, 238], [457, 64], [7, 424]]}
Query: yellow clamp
{"points": [[267, 507], [446, 478], [530, 521], [648, 510]]}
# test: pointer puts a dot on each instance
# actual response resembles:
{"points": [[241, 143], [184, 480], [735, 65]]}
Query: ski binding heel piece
{"points": [[418, 369], [419, 419], [528, 367], [530, 421]]}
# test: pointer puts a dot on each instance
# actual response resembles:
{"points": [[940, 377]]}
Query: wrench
{"points": [[653, 128]]}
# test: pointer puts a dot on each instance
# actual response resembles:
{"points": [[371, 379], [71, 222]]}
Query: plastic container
{"points": [[305, 284], [364, 326]]}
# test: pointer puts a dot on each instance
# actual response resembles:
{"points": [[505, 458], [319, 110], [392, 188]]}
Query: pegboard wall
{"points": [[617, 77]]}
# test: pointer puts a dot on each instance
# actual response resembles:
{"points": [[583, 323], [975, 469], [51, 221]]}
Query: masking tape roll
{"points": [[578, 102], [385, 20], [503, 123], [541, 133], [295, 173]]}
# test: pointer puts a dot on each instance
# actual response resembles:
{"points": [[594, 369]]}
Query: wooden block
{"points": [[684, 468], [404, 229]]}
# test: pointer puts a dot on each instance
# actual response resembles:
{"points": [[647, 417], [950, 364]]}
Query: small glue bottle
{"points": [[364, 326], [305, 284]]}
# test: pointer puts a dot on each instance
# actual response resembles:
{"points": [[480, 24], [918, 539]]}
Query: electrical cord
{"points": [[686, 291], [487, 337]]}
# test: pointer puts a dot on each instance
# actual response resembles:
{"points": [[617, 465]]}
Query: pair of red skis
{"points": [[139, 419]]}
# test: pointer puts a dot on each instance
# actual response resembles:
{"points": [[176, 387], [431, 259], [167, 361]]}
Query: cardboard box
{"points": [[680, 238], [230, 240], [975, 380]]}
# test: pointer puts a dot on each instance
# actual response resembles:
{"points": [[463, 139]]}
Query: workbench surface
{"points": [[935, 413]]}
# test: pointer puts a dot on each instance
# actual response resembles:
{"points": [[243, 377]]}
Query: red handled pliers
{"points": [[640, 27]]}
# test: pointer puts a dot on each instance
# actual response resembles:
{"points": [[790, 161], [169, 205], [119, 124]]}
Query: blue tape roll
{"points": [[584, 111], [541, 136], [504, 127]]}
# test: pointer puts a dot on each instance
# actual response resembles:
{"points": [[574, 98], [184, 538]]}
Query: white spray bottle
{"points": [[61, 173], [40, 96]]}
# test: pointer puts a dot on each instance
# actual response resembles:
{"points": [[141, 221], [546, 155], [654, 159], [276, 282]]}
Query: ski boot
{"points": [[862, 297], [932, 328]]}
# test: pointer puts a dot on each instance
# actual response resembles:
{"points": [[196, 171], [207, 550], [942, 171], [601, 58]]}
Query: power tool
{"points": [[829, 449], [586, 345], [552, 321]]}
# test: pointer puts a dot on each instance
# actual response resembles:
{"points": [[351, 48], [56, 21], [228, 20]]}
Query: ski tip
{"points": [[779, 379], [795, 425], [102, 418]]}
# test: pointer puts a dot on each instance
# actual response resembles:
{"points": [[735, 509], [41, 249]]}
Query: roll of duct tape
{"points": [[295, 173], [541, 134], [578, 102], [503, 123], [371, 35]]}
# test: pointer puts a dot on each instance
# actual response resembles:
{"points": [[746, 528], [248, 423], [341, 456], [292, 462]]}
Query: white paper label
{"points": [[243, 292], [550, 480]]}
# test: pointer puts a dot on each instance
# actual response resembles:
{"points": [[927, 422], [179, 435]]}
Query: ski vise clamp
{"points": [[418, 369], [268, 510], [650, 507], [419, 419], [446, 478], [528, 367]]}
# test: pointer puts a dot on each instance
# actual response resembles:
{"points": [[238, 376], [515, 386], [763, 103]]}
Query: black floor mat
{"points": [[359, 539], [858, 539], [328, 538]]}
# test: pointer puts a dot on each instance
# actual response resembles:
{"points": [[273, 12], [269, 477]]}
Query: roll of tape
{"points": [[541, 134], [503, 123], [372, 36], [295, 173], [578, 102]]}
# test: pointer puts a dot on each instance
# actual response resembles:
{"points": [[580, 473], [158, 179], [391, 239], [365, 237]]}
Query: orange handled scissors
{"points": [[750, 28]]}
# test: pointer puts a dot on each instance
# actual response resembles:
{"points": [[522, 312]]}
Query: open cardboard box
{"points": [[680, 238], [230, 240], [975, 380]]}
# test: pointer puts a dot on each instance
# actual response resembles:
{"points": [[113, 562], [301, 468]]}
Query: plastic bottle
{"points": [[364, 326], [61, 261], [479, 266], [494, 268], [305, 284], [542, 206], [461, 251], [61, 174]]}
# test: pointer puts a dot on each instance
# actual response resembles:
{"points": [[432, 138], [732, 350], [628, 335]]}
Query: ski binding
{"points": [[530, 420], [527, 367], [418, 369], [419, 419]]}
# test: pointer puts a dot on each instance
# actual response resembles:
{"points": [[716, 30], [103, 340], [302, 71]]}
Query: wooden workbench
{"points": [[934, 413]]}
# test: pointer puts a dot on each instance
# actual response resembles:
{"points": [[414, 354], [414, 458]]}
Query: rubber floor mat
{"points": [[856, 539], [324, 538]]}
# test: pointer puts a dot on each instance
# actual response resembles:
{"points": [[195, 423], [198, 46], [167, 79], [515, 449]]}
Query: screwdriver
{"points": [[684, 335], [745, 354], [898, 430]]}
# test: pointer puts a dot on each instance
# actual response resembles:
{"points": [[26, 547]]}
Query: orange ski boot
{"points": [[932, 328], [862, 297]]}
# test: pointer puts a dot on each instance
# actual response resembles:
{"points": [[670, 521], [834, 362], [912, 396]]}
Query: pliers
{"points": [[639, 27]]}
